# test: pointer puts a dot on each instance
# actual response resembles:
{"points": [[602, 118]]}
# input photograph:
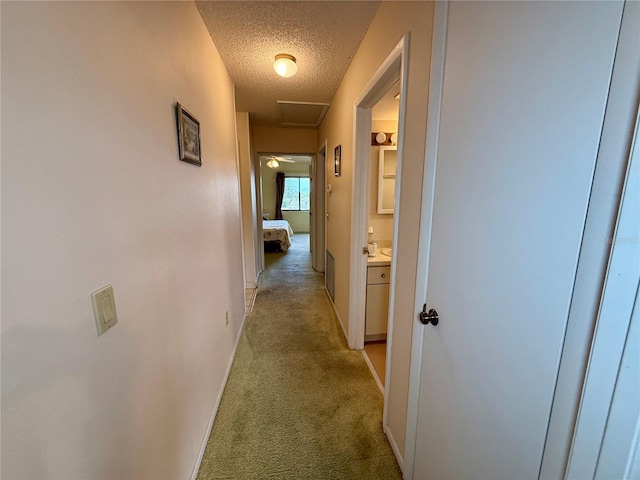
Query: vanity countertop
{"points": [[379, 260]]}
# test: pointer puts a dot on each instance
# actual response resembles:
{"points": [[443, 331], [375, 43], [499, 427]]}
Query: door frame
{"points": [[616, 308], [257, 164], [277, 153], [393, 68], [613, 155], [318, 208]]}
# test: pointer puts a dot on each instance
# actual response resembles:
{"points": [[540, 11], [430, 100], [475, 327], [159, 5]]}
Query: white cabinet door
{"points": [[377, 311], [524, 93]]}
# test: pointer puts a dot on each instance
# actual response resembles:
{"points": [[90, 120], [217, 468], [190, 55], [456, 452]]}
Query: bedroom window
{"points": [[296, 193]]}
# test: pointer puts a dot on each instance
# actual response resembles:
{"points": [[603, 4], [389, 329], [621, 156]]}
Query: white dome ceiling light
{"points": [[285, 65]]}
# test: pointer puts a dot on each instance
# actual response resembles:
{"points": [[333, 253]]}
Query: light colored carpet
{"points": [[298, 403]]}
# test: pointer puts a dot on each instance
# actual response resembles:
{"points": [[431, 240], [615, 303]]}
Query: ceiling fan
{"points": [[274, 162]]}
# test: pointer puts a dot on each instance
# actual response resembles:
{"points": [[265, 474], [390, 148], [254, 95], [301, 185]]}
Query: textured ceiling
{"points": [[323, 36]]}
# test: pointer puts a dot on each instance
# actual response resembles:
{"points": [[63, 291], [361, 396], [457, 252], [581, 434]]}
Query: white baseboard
{"points": [[394, 447], [373, 371], [250, 284], [196, 468], [346, 336]]}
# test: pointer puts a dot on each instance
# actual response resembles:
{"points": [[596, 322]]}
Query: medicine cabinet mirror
{"points": [[387, 179]]}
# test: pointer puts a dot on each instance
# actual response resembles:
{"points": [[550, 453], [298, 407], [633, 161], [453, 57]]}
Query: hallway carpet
{"points": [[298, 403]]}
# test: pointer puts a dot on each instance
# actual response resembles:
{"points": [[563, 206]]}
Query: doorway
{"points": [[380, 213], [296, 202], [392, 72], [318, 209]]}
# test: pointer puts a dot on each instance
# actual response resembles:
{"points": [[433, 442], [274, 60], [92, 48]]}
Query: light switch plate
{"points": [[104, 309]]}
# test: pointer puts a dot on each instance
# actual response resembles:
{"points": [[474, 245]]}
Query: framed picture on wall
{"points": [[188, 136], [337, 159]]}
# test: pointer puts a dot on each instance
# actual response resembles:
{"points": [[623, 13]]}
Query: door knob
{"points": [[430, 317]]}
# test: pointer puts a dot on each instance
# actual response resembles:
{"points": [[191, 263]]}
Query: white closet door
{"points": [[524, 93]]}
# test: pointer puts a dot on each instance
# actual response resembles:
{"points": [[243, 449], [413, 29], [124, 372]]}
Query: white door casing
{"points": [[610, 406], [604, 201], [619, 455], [318, 209], [523, 96], [393, 68]]}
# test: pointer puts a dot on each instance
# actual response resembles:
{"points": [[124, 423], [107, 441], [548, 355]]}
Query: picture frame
{"points": [[188, 136], [337, 161]]}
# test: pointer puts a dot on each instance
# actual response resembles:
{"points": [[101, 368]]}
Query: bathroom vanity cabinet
{"points": [[377, 308]]}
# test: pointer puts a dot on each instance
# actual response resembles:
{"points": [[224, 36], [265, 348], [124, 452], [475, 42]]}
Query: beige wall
{"points": [[93, 193], [392, 20], [390, 126], [285, 140], [299, 220]]}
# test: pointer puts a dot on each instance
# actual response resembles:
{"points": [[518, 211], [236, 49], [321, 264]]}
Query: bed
{"points": [[277, 231]]}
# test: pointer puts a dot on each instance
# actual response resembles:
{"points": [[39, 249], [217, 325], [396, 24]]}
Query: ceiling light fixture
{"points": [[272, 163], [285, 65]]}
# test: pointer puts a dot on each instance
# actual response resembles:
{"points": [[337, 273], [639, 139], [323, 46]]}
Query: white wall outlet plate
{"points": [[104, 309]]}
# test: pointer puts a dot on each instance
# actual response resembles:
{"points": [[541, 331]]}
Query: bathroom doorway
{"points": [[380, 230]]}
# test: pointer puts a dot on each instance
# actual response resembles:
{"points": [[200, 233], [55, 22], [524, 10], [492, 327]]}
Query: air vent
{"points": [[330, 275], [301, 114]]}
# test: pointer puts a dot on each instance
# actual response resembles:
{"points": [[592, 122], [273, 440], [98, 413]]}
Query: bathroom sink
{"points": [[386, 251]]}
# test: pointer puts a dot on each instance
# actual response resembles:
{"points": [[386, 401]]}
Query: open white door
{"points": [[523, 98]]}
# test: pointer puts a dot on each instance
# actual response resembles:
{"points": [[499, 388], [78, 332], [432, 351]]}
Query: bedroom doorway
{"points": [[285, 197]]}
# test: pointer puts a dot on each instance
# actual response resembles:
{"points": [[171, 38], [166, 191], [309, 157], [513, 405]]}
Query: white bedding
{"points": [[277, 231]]}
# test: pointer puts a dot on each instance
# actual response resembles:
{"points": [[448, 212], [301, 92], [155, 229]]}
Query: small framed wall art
{"points": [[337, 159], [188, 136]]}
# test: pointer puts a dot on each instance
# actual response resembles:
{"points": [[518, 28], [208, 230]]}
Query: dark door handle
{"points": [[430, 317]]}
